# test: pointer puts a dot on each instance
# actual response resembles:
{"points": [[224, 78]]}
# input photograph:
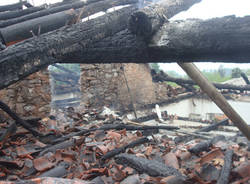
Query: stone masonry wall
{"points": [[105, 84], [29, 97]]}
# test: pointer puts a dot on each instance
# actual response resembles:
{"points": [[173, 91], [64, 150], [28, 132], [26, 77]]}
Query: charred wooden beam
{"points": [[161, 77], [88, 8], [16, 6], [21, 31], [18, 13], [213, 126], [191, 40], [245, 78], [226, 169], [18, 120], [103, 6], [143, 165], [21, 59], [147, 21], [213, 40], [122, 149], [41, 13], [225, 39]]}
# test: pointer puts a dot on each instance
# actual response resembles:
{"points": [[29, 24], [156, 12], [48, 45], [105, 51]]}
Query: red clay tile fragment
{"points": [[171, 160], [243, 170], [42, 164], [208, 157]]}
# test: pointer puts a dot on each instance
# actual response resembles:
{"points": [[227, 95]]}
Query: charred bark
{"points": [[245, 78], [103, 6], [44, 12], [226, 169], [16, 6], [164, 77], [19, 32], [214, 40], [115, 127], [122, 149], [205, 145], [213, 126], [18, 120], [88, 9], [18, 13], [22, 59], [147, 21], [143, 165]]}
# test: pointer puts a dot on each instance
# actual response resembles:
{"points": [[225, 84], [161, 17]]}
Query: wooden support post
{"points": [[194, 73]]}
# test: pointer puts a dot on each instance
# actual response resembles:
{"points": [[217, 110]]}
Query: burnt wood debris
{"points": [[92, 147]]}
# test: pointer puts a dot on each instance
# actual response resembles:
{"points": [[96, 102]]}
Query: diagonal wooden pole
{"points": [[194, 73]]}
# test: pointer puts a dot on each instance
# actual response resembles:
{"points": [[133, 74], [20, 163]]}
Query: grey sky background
{"points": [[204, 10]]}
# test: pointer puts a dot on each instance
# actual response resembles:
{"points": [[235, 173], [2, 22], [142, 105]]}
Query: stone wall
{"points": [[29, 97], [106, 84]]}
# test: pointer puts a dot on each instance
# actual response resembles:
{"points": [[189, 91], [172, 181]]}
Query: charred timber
{"points": [[164, 77], [41, 13], [226, 169], [245, 78], [216, 40], [16, 6], [18, 13], [147, 21], [103, 6], [23, 59], [19, 32], [88, 9]]}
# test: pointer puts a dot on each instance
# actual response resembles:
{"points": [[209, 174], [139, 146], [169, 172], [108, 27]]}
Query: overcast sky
{"points": [[204, 10]]}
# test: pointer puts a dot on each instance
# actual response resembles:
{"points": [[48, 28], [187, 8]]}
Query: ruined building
{"points": [[113, 85]]}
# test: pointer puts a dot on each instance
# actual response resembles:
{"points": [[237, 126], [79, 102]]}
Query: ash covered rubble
{"points": [[100, 146]]}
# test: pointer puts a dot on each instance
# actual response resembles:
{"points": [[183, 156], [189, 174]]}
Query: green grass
{"points": [[173, 84], [215, 77]]}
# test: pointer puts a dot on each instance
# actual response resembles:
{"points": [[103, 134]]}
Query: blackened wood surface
{"points": [[22, 59], [103, 6], [18, 120], [213, 126], [122, 149], [18, 13], [21, 31], [143, 165], [16, 6], [226, 169], [219, 40], [205, 145], [147, 21], [161, 77], [45, 12], [245, 78], [226, 39], [216, 40]]}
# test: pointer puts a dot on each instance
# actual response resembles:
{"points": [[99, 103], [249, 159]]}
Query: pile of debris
{"points": [[92, 146]]}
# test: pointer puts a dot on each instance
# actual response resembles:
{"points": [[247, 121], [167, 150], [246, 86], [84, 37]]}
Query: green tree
{"points": [[155, 66], [236, 73]]}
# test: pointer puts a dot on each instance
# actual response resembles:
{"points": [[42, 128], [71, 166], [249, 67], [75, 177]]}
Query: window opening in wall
{"points": [[65, 85]]}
